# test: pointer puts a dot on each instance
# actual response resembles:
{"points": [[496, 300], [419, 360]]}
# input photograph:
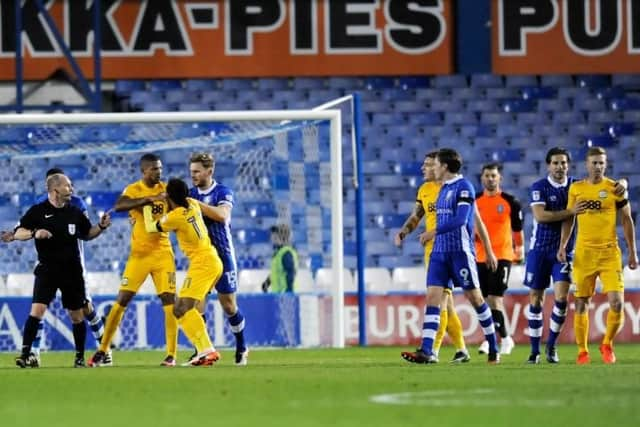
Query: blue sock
{"points": [[430, 327], [236, 322], [35, 346], [96, 325], [558, 316], [535, 328], [488, 328]]}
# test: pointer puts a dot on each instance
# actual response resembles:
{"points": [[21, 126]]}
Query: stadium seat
{"points": [[103, 283], [516, 80], [273, 84], [413, 82], [345, 83], [200, 85], [239, 84], [376, 279], [123, 88], [325, 282], [373, 83], [308, 83], [409, 279], [304, 281], [556, 80], [624, 104], [605, 141], [164, 85], [449, 81], [20, 284], [592, 80], [486, 80], [537, 92], [517, 106], [250, 280], [627, 81]]}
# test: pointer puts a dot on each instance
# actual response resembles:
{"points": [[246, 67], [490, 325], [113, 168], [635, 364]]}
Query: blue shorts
{"points": [[228, 283], [542, 266], [457, 268]]}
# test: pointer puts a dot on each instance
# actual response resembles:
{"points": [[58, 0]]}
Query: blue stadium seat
{"points": [[517, 106], [505, 155], [320, 96], [520, 80], [181, 95], [373, 83], [240, 84], [410, 106], [553, 105], [556, 80], [624, 104], [408, 168], [428, 94], [386, 181], [102, 199], [602, 117], [253, 236], [569, 117], [388, 221], [605, 141], [396, 94], [460, 118], [464, 94], [589, 104], [627, 81], [483, 105], [449, 81], [123, 88], [512, 129], [609, 92], [537, 92], [159, 107], [533, 118], [200, 85], [592, 80], [139, 98], [619, 129], [497, 119], [486, 80], [193, 106], [164, 85], [345, 83], [308, 83], [447, 105], [265, 83], [377, 167], [549, 130], [258, 209], [100, 133], [77, 171], [413, 82], [631, 116]]}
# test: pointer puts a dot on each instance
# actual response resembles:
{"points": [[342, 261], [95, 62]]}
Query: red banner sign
{"points": [[397, 319], [566, 36], [239, 38]]}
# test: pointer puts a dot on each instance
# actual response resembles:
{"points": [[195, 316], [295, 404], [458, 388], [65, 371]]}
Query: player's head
{"points": [[151, 168], [596, 162], [558, 160], [280, 234], [178, 191], [448, 161], [54, 171], [491, 176], [60, 187], [427, 166], [201, 166]]}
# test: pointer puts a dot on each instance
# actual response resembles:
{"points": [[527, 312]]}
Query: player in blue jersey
{"points": [[216, 202], [548, 200], [95, 322], [453, 257]]}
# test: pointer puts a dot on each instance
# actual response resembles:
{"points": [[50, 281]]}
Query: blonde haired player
{"points": [[150, 254], [425, 207], [597, 253], [205, 266]]}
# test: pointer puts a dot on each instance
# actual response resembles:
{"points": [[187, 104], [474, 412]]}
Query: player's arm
{"points": [[620, 187], [517, 232], [126, 203], [150, 224], [220, 213], [629, 231], [102, 225], [410, 224], [483, 234], [541, 215], [566, 229], [27, 229]]}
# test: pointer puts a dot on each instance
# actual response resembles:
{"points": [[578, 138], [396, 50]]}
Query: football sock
{"points": [[498, 320], [488, 328], [442, 328], [35, 346], [236, 322], [111, 326], [535, 328], [170, 329], [79, 337], [429, 328], [615, 319], [29, 334], [96, 325], [581, 330], [194, 328], [454, 329], [558, 316]]}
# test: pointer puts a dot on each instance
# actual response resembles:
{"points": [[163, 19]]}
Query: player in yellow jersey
{"points": [[597, 252], [149, 254], [425, 207], [205, 266]]}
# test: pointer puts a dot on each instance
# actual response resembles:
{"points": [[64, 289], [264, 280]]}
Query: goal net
{"points": [[284, 167]]}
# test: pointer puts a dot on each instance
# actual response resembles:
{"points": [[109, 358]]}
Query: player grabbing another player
{"points": [[597, 253], [150, 254], [205, 266]]}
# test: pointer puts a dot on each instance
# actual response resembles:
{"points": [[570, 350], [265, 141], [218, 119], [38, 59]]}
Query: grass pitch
{"points": [[350, 387]]}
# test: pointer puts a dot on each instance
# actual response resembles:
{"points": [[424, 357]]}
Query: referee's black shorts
{"points": [[494, 283], [69, 280]]}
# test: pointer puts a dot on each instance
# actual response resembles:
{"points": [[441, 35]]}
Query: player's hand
{"points": [[42, 234], [492, 261], [427, 236], [7, 236], [621, 186], [398, 238], [580, 207], [518, 255], [633, 261], [105, 220], [562, 255]]}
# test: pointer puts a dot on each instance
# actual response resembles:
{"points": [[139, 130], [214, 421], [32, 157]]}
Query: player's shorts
{"points": [[204, 271], [543, 266], [228, 282], [494, 283], [453, 268], [70, 281], [590, 263], [159, 264]]}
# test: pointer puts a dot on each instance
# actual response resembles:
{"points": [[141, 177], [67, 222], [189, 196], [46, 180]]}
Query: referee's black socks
{"points": [[79, 337], [30, 332], [498, 320]]}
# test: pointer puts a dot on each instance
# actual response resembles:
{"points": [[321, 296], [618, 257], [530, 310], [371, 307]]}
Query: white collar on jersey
{"points": [[454, 179], [208, 190], [555, 184]]}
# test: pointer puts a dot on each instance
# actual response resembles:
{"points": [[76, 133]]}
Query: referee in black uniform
{"points": [[56, 226]]}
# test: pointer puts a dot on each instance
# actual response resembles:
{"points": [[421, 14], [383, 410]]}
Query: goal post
{"points": [[36, 140]]}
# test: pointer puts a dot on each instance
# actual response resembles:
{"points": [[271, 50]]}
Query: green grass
{"points": [[323, 388]]}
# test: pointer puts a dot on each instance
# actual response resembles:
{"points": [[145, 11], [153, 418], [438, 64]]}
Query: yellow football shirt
{"points": [[141, 241], [190, 230], [427, 196], [596, 227]]}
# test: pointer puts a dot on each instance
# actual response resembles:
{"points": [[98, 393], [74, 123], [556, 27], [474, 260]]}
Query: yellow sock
{"points": [[454, 329], [194, 328], [581, 330], [442, 328], [615, 320], [170, 329], [111, 326]]}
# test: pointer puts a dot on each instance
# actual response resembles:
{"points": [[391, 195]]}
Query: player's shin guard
{"points": [[111, 326], [581, 330], [442, 329], [236, 323], [79, 337], [558, 316], [615, 320], [454, 329], [195, 329], [96, 325], [429, 328], [170, 329], [535, 327], [35, 346], [488, 328]]}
